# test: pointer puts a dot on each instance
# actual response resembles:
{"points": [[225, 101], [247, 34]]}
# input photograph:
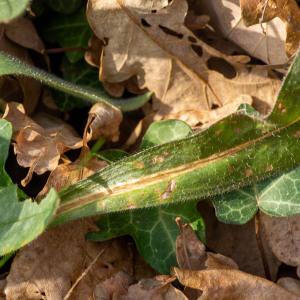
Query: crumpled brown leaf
{"points": [[290, 284], [283, 236], [231, 284], [47, 268], [288, 11], [15, 38], [157, 288], [39, 146], [114, 287], [188, 77]]}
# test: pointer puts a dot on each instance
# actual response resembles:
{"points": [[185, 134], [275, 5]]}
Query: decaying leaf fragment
{"points": [[188, 77], [283, 236], [264, 41], [39, 147], [288, 11], [103, 121], [47, 268], [232, 284]]}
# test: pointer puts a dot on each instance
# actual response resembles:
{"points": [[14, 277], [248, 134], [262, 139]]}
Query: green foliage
{"points": [[278, 197], [79, 73], [21, 221], [112, 155], [10, 9], [164, 132], [62, 28], [64, 6], [10, 65], [154, 231], [238, 151]]}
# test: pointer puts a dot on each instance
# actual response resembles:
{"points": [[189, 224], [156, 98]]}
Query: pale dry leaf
{"points": [[190, 251], [149, 40], [36, 147], [22, 32], [114, 287], [290, 284], [232, 284], [46, 268], [103, 121], [255, 12], [157, 288], [226, 18], [283, 236]]}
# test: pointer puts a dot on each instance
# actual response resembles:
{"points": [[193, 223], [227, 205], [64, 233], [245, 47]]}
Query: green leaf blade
{"points": [[22, 222], [154, 231], [10, 9]]}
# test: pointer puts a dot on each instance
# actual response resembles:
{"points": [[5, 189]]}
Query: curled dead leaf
{"points": [[103, 121], [36, 147]]}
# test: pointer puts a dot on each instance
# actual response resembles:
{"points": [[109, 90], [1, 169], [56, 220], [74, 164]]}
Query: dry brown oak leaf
{"points": [[39, 146], [188, 77]]}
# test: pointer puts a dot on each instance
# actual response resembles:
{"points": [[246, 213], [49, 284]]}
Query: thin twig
{"points": [[84, 273]]}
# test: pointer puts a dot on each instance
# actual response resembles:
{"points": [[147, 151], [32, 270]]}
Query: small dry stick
{"points": [[84, 273]]}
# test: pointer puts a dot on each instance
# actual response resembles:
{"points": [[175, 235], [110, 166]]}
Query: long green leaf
{"points": [[10, 65], [154, 229], [235, 152]]}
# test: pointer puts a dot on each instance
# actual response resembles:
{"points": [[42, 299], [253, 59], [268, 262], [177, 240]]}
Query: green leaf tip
{"points": [[10, 9], [10, 65]]}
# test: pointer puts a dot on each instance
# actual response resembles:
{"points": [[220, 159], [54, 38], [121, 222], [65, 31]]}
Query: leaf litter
{"points": [[159, 46]]}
